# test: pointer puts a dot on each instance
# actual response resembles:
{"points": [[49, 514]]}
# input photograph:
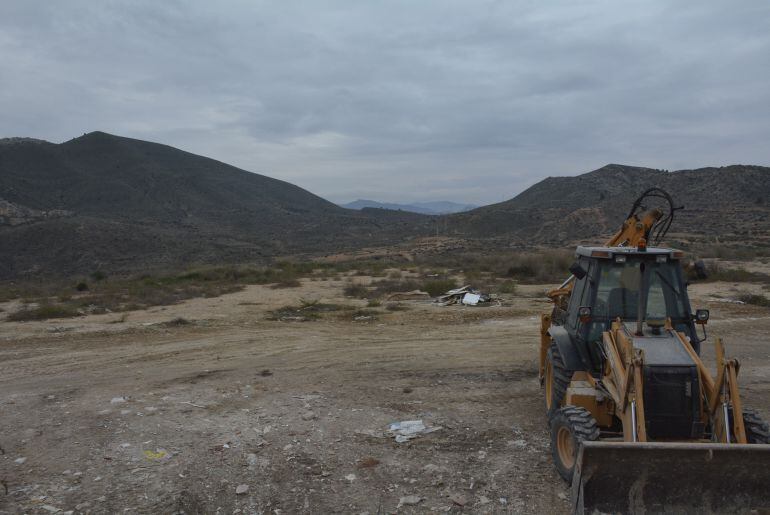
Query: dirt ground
{"points": [[113, 414]]}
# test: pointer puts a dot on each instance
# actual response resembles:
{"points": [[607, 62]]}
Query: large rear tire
{"points": [[557, 379], [570, 427]]}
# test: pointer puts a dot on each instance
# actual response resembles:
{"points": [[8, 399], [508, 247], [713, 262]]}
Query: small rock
{"points": [[20, 461], [125, 445], [97, 479], [308, 415], [409, 500], [503, 500], [118, 400], [50, 509], [241, 489], [484, 500], [251, 459], [458, 499], [562, 496], [350, 477]]}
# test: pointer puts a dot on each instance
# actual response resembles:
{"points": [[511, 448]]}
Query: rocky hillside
{"points": [[103, 202], [106, 202], [731, 203]]}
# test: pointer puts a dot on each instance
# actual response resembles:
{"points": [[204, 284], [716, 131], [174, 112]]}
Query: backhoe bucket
{"points": [[625, 477]]}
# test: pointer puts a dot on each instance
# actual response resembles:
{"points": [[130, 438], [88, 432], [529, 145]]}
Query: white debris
{"points": [[118, 400], [471, 299], [20, 461], [409, 429], [350, 477]]}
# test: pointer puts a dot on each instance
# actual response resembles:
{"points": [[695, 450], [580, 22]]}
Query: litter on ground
{"points": [[409, 429], [467, 296]]}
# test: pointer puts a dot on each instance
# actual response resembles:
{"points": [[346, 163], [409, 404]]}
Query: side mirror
{"points": [[584, 314], [577, 270], [701, 316]]}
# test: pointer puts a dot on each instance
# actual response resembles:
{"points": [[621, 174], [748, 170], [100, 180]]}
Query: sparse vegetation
{"points": [[356, 290], [176, 322], [755, 299], [43, 312], [385, 287], [306, 311], [438, 287], [717, 272], [507, 286]]}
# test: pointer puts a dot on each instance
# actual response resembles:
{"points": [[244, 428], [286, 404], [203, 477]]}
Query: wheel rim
{"points": [[565, 443], [548, 384]]}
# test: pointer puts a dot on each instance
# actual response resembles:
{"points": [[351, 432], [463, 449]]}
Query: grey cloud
{"points": [[399, 101]]}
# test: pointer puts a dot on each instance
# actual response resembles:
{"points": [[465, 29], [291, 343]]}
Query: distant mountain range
{"points": [[104, 202], [425, 208]]}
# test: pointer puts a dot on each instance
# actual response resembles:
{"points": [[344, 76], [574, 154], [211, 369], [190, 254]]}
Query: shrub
{"points": [[756, 300], [393, 285], [43, 312], [81, 286], [356, 290], [715, 272], [438, 287], [507, 287], [286, 283], [176, 322]]}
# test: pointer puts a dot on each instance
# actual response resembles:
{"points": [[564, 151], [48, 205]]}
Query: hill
{"points": [[107, 202], [425, 208], [103, 202], [729, 203]]}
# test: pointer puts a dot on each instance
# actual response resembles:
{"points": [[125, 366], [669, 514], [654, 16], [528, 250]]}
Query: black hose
{"points": [[659, 230]]}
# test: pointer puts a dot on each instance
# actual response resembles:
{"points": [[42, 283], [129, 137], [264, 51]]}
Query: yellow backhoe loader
{"points": [[638, 422]]}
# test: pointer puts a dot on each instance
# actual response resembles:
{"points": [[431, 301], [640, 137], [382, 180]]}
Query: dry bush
{"points": [[356, 290], [755, 299], [43, 312]]}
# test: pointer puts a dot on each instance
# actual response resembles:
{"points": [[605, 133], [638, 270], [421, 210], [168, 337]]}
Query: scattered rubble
{"points": [[467, 296]]}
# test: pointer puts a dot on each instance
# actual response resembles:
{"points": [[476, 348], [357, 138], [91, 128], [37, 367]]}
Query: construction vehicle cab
{"points": [[629, 400], [621, 282]]}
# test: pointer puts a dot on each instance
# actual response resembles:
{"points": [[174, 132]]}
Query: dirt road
{"points": [[236, 413]]}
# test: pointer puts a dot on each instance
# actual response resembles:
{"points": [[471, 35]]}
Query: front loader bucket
{"points": [[625, 477]]}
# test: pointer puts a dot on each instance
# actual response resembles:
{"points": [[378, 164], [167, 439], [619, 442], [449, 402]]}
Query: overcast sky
{"points": [[399, 101]]}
